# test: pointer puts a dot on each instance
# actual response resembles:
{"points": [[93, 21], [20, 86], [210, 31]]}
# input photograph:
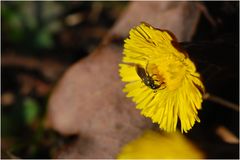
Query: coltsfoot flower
{"points": [[161, 79], [156, 145]]}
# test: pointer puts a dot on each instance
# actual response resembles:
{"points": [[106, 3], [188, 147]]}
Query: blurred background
{"points": [[40, 40]]}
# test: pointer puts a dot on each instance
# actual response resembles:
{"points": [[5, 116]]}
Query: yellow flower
{"points": [[162, 80], [154, 145]]}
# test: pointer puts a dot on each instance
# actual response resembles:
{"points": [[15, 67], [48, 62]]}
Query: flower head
{"points": [[155, 145], [161, 79]]}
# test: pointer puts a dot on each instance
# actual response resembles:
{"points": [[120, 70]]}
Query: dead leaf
{"points": [[181, 18]]}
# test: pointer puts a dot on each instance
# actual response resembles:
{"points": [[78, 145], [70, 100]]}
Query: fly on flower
{"points": [[147, 79], [161, 79]]}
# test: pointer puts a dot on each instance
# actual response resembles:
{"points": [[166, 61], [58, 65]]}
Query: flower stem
{"points": [[221, 101]]}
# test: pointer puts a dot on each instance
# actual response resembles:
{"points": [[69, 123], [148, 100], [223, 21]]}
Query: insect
{"points": [[147, 79]]}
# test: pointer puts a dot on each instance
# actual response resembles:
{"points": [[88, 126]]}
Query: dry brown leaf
{"points": [[181, 18], [89, 101]]}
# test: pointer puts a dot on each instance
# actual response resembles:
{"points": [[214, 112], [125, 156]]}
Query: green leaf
{"points": [[31, 110], [44, 39]]}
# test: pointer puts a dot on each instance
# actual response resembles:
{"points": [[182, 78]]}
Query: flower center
{"points": [[156, 76]]}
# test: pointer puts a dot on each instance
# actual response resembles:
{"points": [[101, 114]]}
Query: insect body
{"points": [[146, 78]]}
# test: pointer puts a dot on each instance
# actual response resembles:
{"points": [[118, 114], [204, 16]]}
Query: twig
{"points": [[227, 135], [205, 12], [221, 101], [51, 69]]}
